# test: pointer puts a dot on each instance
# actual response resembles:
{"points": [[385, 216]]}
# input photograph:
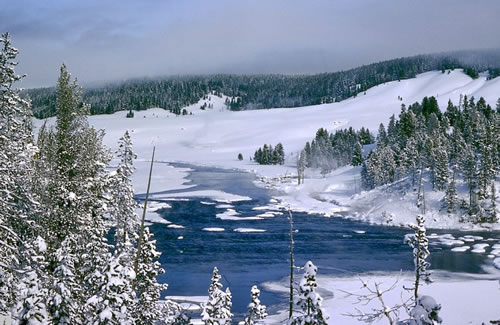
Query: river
{"points": [[336, 245]]}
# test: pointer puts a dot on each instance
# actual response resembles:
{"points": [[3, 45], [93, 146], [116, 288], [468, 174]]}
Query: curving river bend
{"points": [[336, 245]]}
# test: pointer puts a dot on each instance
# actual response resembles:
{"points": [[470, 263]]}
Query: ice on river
{"points": [[249, 230]]}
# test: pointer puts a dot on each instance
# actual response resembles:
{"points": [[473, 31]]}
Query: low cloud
{"points": [[114, 40]]}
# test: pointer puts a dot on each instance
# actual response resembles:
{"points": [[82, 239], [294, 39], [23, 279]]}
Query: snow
{"points": [[235, 218], [219, 196], [214, 137], [152, 216], [266, 215], [213, 229], [479, 248], [495, 252], [175, 226], [460, 249], [227, 214], [152, 209], [464, 299], [224, 206], [249, 230]]}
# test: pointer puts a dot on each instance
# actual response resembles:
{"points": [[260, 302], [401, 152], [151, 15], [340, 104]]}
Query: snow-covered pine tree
{"points": [[215, 282], [72, 181], [227, 305], [217, 309], [173, 314], [113, 302], [308, 300], [451, 197], [63, 307], [420, 245], [357, 155], [256, 311], [280, 154], [147, 308], [122, 204], [493, 206], [381, 136], [440, 158], [469, 169], [18, 206]]}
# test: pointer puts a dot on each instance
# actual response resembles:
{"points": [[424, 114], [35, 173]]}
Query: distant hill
{"points": [[266, 90]]}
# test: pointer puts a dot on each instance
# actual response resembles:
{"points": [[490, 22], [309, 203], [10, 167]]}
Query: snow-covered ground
{"points": [[214, 137], [464, 299]]}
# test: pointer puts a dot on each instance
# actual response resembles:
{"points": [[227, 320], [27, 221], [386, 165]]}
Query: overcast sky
{"points": [[105, 40]]}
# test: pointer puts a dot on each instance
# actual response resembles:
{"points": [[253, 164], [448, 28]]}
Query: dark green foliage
{"points": [[262, 91], [130, 114], [267, 155], [357, 155], [330, 151], [462, 142], [471, 72]]}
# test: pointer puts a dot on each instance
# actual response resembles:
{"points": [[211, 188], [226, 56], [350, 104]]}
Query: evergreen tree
{"points": [[451, 195], [122, 204], [420, 245], [114, 299], [357, 156], [217, 310], [21, 263], [280, 153], [33, 289], [72, 182], [63, 307], [493, 207], [308, 300], [440, 157], [148, 307], [256, 311], [382, 136]]}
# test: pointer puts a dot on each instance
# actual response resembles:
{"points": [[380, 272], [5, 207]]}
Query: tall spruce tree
{"points": [[122, 204], [73, 181], [20, 269]]}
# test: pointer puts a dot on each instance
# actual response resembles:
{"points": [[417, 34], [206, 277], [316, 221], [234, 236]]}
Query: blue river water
{"points": [[337, 246]]}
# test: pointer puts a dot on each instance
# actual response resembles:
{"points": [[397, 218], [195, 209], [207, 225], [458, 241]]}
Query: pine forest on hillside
{"points": [[204, 199]]}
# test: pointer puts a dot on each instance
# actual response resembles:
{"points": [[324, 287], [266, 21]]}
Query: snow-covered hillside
{"points": [[216, 136]]}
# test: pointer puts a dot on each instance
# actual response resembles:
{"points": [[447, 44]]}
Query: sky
{"points": [[108, 40]]}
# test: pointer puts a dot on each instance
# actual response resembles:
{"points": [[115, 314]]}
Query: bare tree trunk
{"points": [[417, 272], [141, 231], [386, 310]]}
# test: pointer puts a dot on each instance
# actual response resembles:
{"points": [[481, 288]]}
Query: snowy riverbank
{"points": [[215, 137], [465, 299]]}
